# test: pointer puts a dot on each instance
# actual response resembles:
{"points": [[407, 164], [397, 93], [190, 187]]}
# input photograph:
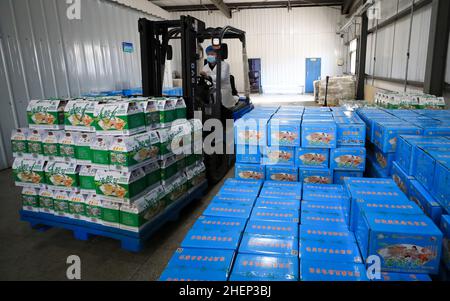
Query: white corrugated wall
{"points": [[283, 40], [392, 44], [44, 54]]}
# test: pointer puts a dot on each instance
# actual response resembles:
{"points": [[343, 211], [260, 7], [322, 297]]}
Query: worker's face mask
{"points": [[211, 59]]}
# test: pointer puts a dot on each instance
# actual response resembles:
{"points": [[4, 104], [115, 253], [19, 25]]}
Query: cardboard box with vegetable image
{"points": [[250, 171], [150, 108], [61, 204], [77, 205], [278, 155], [119, 118], [131, 152], [46, 114], [19, 145], [319, 134], [28, 172], [46, 200], [281, 173], [316, 175], [93, 209], [120, 187], [100, 151], [136, 216], [348, 158], [87, 179], [62, 176], [30, 199], [79, 115], [34, 144], [312, 158], [386, 135], [284, 132]]}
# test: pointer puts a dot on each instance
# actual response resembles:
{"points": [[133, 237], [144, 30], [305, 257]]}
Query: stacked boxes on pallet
{"points": [[251, 232], [110, 161], [297, 144], [395, 100], [384, 127]]}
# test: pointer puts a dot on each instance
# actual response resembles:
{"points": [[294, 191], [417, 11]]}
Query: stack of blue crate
{"points": [[209, 248], [298, 144]]}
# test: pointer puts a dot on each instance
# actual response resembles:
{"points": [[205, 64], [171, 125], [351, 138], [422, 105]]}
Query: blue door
{"points": [[313, 73]]}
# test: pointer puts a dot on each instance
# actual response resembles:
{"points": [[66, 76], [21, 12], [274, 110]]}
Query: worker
{"points": [[228, 100]]}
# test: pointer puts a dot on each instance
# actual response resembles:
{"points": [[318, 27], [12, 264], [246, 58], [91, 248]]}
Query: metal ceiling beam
{"points": [[222, 7], [256, 5]]}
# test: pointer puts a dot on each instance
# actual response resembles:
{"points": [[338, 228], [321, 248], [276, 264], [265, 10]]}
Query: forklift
{"points": [[199, 92]]}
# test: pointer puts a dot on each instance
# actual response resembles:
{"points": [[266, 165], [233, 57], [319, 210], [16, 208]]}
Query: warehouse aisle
{"points": [[28, 254]]}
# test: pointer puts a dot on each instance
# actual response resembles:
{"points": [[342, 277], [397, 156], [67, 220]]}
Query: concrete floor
{"points": [[27, 254]]}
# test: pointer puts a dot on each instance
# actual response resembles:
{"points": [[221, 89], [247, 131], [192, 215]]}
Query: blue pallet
{"points": [[131, 241]]}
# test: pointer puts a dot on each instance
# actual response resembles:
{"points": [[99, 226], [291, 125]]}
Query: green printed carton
{"points": [[62, 176], [46, 196], [181, 108], [19, 142], [83, 152], [61, 204], [93, 209], [86, 179], [195, 175], [119, 118], [167, 111], [130, 152], [50, 145], [165, 141], [28, 172], [181, 137], [46, 114], [135, 217], [100, 151], [34, 144], [120, 186], [77, 206], [30, 199], [176, 190], [79, 115], [152, 174], [67, 146], [169, 169], [150, 108], [111, 214]]}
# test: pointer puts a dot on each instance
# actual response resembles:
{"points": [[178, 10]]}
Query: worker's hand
{"points": [[203, 73]]}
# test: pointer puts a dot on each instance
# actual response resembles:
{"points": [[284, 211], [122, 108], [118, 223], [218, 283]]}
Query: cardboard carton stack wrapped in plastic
{"points": [[298, 144], [395, 100], [112, 161], [339, 89]]}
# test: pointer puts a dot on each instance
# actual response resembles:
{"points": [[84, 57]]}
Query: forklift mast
{"points": [[155, 50]]}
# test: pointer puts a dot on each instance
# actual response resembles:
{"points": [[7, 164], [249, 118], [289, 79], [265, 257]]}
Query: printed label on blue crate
{"points": [[227, 209], [319, 134], [231, 198], [278, 229], [278, 191], [281, 173], [250, 171], [398, 277], [285, 132], [313, 217], [282, 203], [340, 175], [330, 233], [331, 206], [279, 155], [265, 214], [248, 154], [312, 157], [437, 131], [239, 182], [383, 160], [405, 244], [198, 264], [333, 251], [268, 245], [316, 176], [264, 268], [216, 222], [239, 191], [207, 238], [332, 271], [348, 158]]}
